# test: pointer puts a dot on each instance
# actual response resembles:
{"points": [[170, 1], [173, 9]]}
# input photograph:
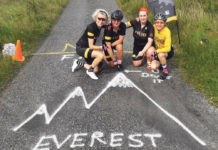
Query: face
{"points": [[159, 24], [143, 17], [101, 20], [116, 23]]}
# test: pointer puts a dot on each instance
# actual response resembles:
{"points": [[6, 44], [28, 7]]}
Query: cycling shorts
{"points": [[136, 50], [86, 53], [108, 57]]}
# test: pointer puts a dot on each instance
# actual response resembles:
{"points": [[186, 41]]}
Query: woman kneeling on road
{"points": [[113, 39], [86, 47], [164, 49], [143, 33]]}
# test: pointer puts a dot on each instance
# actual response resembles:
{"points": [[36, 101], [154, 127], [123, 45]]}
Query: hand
{"points": [[137, 19], [141, 53], [114, 61]]}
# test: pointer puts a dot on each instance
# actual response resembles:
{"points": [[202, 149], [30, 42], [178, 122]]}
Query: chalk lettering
{"points": [[67, 56], [115, 141], [138, 142], [152, 136], [41, 146], [76, 140], [97, 136], [145, 75]]}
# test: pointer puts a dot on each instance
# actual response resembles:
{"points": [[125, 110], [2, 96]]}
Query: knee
{"points": [[100, 56], [154, 66], [161, 55], [150, 51], [136, 64], [119, 47]]}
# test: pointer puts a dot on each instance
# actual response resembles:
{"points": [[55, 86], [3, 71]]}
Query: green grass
{"points": [[28, 21], [198, 20]]}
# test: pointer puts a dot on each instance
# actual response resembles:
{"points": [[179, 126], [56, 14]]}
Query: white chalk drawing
{"points": [[70, 56], [154, 75], [120, 80], [79, 139], [129, 71]]}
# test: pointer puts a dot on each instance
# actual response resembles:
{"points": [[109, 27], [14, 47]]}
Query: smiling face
{"points": [[101, 20], [115, 23], [159, 24], [143, 17]]}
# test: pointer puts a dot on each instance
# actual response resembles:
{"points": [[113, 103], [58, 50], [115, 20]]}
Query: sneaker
{"points": [[163, 75], [91, 75], [165, 70], [120, 67], [76, 65]]}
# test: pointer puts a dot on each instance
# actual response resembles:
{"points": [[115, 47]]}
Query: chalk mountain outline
{"points": [[120, 80]]}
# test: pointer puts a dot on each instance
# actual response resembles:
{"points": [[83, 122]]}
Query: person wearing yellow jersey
{"points": [[164, 50]]}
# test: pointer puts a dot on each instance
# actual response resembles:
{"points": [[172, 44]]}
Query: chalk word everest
{"points": [[79, 140], [121, 81]]}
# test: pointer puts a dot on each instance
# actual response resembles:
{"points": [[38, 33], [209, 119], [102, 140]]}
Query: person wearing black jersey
{"points": [[113, 39], [86, 47], [143, 33]]}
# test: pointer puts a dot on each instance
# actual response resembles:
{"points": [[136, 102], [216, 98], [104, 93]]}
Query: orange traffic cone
{"points": [[18, 53]]}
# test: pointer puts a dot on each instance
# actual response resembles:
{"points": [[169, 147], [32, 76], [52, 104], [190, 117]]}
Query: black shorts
{"points": [[136, 50], [86, 53], [108, 57]]}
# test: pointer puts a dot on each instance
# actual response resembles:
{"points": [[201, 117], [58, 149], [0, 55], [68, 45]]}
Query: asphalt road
{"points": [[47, 107]]}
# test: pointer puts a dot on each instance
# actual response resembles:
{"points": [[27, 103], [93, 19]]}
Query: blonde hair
{"points": [[103, 12]]}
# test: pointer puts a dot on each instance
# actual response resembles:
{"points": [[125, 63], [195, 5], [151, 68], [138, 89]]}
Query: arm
{"points": [[147, 46], [92, 46], [119, 41], [110, 51]]}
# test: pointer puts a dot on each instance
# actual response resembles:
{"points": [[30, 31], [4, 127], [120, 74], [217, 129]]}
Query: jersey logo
{"points": [[107, 38], [90, 34]]}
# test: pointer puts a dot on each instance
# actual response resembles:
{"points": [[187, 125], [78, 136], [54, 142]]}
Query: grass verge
{"points": [[28, 21]]}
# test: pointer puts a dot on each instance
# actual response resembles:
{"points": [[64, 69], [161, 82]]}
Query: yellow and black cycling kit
{"points": [[162, 39], [141, 36], [82, 46], [111, 36]]}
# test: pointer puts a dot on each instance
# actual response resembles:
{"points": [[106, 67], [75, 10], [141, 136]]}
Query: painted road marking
{"points": [[63, 51], [67, 56], [120, 80], [58, 53], [52, 53], [68, 45]]}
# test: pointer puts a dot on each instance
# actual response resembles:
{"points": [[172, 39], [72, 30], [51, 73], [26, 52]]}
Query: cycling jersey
{"points": [[141, 35], [82, 46], [110, 35], [92, 32], [162, 40]]}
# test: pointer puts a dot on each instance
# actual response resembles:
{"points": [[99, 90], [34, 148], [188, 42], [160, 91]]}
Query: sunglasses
{"points": [[159, 22], [102, 19]]}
